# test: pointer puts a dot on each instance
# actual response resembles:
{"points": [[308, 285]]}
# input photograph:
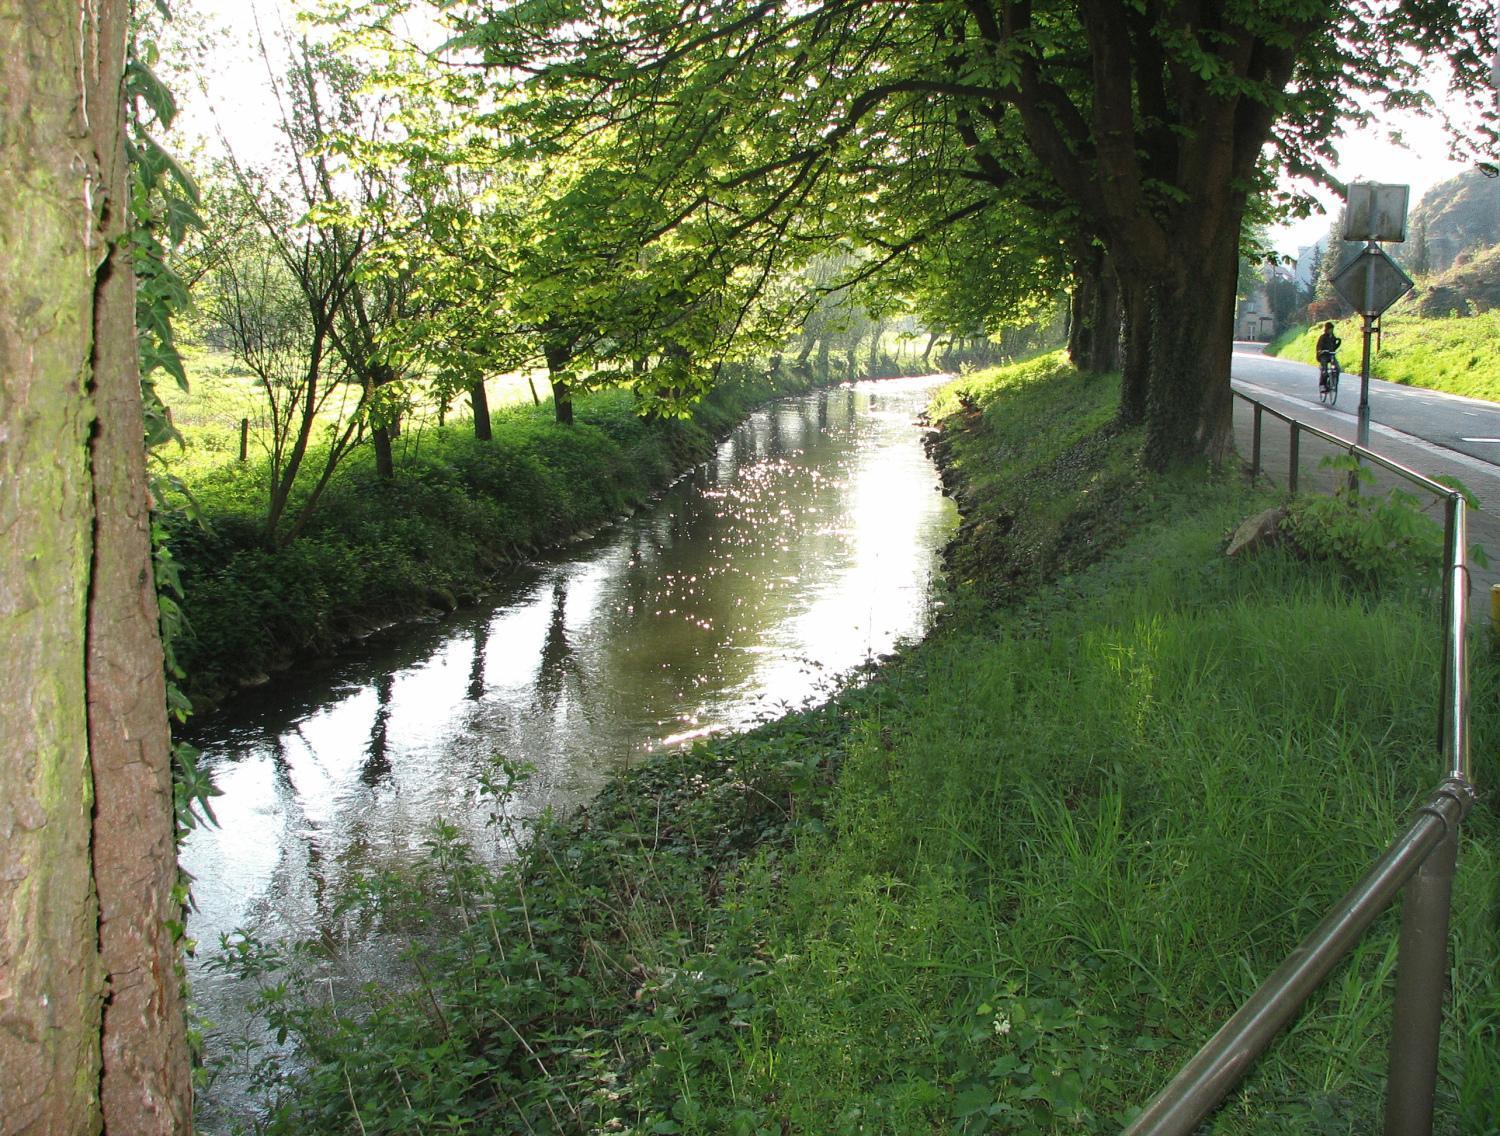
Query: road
{"points": [[1435, 434]]}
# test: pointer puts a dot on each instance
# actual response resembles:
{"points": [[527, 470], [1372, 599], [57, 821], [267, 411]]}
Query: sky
{"points": [[1369, 155]]}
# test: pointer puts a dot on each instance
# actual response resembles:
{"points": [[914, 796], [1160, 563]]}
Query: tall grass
{"points": [[1064, 854]]}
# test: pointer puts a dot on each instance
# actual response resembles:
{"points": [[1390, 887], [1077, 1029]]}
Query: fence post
{"points": [[1255, 444], [1296, 459], [1421, 976], [244, 439]]}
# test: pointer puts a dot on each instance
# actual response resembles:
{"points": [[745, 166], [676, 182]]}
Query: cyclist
{"points": [[1328, 345]]}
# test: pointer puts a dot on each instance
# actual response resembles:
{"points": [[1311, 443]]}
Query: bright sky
{"points": [[1370, 156]]}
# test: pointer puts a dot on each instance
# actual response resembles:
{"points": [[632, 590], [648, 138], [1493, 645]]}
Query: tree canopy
{"points": [[1138, 127]]}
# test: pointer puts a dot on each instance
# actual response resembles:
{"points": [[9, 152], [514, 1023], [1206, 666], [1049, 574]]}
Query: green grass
{"points": [[1456, 355], [1009, 885]]}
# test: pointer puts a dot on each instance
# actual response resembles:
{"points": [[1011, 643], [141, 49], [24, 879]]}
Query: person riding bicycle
{"points": [[1327, 349]]}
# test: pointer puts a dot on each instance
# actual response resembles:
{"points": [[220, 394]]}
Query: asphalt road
{"points": [[1435, 434]]}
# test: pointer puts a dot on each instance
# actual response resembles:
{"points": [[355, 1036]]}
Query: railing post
{"points": [[1421, 976], [1255, 444], [1296, 459], [1445, 664]]}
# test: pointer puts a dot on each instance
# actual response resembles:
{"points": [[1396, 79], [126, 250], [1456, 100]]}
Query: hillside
{"points": [[1457, 216]]}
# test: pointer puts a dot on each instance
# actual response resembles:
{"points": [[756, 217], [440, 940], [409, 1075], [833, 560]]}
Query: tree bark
{"points": [[1189, 406], [558, 355], [1135, 367], [1094, 318], [51, 996], [479, 399], [562, 402], [385, 458], [146, 1088], [91, 1031]]}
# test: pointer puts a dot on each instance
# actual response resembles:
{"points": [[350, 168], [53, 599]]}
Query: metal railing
{"points": [[1421, 860]]}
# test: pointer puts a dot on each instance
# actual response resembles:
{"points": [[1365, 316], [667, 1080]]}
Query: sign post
{"points": [[1371, 282]]}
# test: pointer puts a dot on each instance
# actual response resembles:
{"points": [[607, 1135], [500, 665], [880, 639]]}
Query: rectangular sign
{"points": [[1375, 212]]}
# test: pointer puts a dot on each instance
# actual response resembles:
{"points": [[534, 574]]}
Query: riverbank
{"points": [[459, 513], [1007, 884]]}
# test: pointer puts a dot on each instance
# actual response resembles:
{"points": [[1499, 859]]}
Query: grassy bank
{"points": [[458, 510], [1456, 355], [1006, 886]]}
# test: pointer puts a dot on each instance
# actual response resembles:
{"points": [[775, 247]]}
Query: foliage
{"points": [[164, 206], [1031, 131], [889, 916], [1384, 539]]}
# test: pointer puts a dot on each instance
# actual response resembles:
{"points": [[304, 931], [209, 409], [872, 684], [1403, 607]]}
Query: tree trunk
{"points": [[1080, 302], [806, 350], [91, 1029], [562, 402], [558, 356], [1189, 406], [1095, 320], [385, 457], [1135, 369], [479, 399], [146, 1087], [1105, 315]]}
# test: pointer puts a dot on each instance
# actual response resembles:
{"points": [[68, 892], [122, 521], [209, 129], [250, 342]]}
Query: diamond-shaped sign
{"points": [[1371, 282]]}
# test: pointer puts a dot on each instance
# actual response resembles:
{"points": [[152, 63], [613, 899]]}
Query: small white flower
{"points": [[1002, 1025]]}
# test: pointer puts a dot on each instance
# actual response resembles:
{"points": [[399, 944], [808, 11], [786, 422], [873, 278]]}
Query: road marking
{"points": [[1482, 439]]}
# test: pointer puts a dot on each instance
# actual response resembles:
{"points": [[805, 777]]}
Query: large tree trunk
{"points": [[146, 1087], [1094, 314], [91, 1029], [1189, 407], [1135, 368]]}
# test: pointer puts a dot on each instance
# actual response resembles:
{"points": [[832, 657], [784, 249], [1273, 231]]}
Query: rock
{"points": [[1258, 532]]}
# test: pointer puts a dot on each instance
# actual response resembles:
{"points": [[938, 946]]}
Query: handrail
{"points": [[1209, 1077], [1421, 860]]}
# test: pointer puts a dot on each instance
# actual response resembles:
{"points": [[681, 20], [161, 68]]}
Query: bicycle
{"points": [[1328, 378]]}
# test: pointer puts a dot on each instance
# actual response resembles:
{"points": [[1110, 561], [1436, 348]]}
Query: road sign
{"points": [[1375, 212], [1371, 282]]}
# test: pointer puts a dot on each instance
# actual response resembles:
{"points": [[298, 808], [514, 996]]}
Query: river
{"points": [[803, 549]]}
